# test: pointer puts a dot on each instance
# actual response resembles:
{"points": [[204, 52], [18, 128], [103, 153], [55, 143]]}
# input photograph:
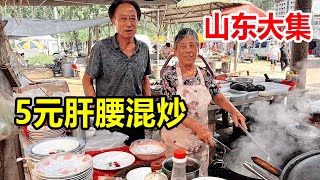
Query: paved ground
{"points": [[38, 74], [258, 68]]}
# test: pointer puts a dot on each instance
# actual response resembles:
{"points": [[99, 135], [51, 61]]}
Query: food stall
{"points": [[38, 144], [84, 164], [103, 162], [98, 161]]}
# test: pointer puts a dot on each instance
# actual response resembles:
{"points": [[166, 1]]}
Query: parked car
{"points": [[247, 54], [261, 49]]}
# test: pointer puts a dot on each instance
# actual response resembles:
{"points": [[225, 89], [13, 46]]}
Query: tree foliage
{"points": [[145, 26], [64, 13], [263, 4]]}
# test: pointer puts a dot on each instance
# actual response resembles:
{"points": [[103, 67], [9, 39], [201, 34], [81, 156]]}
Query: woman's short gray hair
{"points": [[184, 33]]}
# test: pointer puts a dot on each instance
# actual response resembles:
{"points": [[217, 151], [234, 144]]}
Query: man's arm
{"points": [[162, 55], [146, 91], [93, 70], [87, 83]]}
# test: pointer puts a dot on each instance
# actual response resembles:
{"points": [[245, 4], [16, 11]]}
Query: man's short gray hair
{"points": [[184, 33]]}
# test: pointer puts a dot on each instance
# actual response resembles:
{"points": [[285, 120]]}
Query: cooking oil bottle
{"points": [[156, 173]]}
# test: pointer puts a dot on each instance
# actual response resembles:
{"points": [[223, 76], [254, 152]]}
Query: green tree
{"points": [[64, 13], [79, 37], [263, 4], [80, 13]]}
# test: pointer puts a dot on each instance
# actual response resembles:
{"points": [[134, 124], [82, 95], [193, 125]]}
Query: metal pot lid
{"points": [[305, 166], [303, 131]]}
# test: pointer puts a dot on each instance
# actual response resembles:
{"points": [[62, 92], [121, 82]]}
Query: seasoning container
{"points": [[292, 76], [156, 173], [179, 171]]}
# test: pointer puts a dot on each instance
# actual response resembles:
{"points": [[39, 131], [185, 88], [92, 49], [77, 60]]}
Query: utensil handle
{"points": [[254, 140], [267, 166], [250, 168], [258, 171], [223, 145]]}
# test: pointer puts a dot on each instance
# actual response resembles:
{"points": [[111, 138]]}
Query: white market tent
{"points": [[79, 2], [187, 11], [19, 27]]}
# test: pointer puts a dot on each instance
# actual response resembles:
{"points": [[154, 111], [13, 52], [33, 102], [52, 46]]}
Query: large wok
{"points": [[234, 162], [305, 166]]}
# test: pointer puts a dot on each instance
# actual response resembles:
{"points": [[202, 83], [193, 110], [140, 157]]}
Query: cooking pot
{"points": [[234, 162], [192, 167], [306, 135], [304, 166], [303, 131]]}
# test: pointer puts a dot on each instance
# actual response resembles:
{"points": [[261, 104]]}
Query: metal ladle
{"points": [[223, 145], [255, 141]]}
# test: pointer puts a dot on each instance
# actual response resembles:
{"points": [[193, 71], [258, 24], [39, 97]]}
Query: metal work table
{"points": [[247, 101]]}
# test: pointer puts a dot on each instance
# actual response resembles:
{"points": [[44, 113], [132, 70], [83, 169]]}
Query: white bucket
{"points": [[156, 71], [67, 70]]}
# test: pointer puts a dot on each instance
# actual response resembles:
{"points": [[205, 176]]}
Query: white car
{"points": [[261, 48]]}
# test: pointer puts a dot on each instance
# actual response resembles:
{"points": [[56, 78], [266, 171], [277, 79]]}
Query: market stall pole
{"points": [[299, 55], [249, 8], [236, 55], [9, 148]]}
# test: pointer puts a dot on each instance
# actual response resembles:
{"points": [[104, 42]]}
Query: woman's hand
{"points": [[205, 135], [236, 117]]}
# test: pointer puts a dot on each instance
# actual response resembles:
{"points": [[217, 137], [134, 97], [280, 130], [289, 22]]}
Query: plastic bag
{"points": [[7, 126], [104, 139]]}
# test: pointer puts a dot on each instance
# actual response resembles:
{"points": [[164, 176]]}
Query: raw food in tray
{"points": [[246, 86]]}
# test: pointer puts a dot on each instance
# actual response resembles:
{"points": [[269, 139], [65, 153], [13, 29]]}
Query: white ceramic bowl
{"points": [[147, 149], [138, 174]]}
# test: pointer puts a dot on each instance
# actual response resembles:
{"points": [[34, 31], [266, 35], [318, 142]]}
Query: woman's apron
{"points": [[197, 98]]}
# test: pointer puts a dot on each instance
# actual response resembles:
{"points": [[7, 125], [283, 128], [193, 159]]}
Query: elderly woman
{"points": [[197, 88]]}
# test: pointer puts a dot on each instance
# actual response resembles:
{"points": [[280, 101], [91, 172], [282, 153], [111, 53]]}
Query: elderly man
{"points": [[120, 64]]}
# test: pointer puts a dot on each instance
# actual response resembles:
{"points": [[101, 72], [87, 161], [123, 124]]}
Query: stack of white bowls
{"points": [[44, 133], [60, 145], [64, 166]]}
